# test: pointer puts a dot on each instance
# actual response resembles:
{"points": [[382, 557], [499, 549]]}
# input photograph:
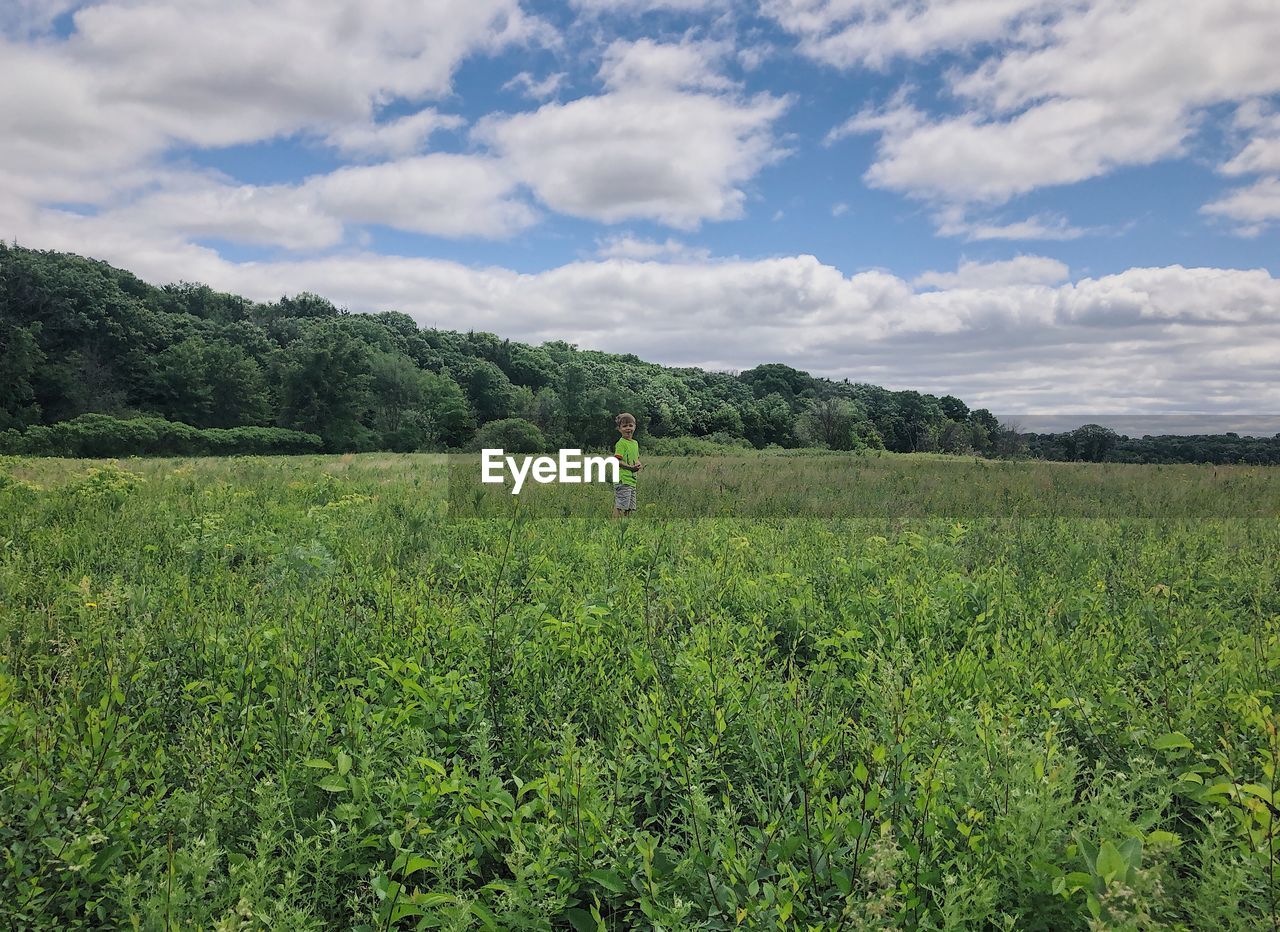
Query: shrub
{"points": [[513, 434], [100, 435]]}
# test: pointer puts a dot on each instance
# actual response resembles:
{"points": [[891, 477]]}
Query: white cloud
{"points": [[650, 147], [1023, 270], [873, 32], [440, 194], [1254, 207], [525, 83], [636, 7], [626, 246], [1260, 155], [646, 64], [955, 221], [839, 209], [397, 138], [1262, 152], [209, 207], [186, 68], [972, 159], [1172, 53], [1069, 93], [137, 77], [1195, 297]]}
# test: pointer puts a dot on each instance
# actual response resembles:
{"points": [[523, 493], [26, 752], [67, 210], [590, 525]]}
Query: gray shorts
{"points": [[624, 497]]}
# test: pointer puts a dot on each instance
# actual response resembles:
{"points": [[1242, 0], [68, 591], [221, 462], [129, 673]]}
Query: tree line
{"points": [[95, 361]]}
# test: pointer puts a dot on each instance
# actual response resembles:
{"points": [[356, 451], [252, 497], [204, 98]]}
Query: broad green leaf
{"points": [[1258, 790], [609, 880], [1078, 880], [417, 863], [481, 912], [1131, 851], [1174, 739], [430, 900], [1111, 863], [333, 784], [581, 920]]}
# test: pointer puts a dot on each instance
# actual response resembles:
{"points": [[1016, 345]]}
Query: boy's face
{"points": [[627, 428]]}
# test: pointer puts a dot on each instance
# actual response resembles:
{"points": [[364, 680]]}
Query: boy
{"points": [[627, 452]]}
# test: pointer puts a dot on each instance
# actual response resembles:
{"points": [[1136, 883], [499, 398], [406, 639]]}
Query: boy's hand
{"points": [[637, 467]]}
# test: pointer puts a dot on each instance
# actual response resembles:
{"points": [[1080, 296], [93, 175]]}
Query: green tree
{"points": [[769, 421], [490, 392], [513, 434], [20, 359], [324, 389], [1091, 443], [546, 412], [776, 378], [830, 422], [412, 409], [210, 384], [953, 408]]}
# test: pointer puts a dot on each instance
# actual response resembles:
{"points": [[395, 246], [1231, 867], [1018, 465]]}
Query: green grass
{"points": [[320, 693]]}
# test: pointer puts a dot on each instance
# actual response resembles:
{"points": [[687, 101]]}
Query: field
{"points": [[794, 692]]}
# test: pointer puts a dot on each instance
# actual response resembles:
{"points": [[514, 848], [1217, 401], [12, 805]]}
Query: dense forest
{"points": [[94, 361]]}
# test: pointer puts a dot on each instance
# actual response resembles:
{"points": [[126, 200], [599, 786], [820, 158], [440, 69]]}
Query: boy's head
{"points": [[626, 424]]}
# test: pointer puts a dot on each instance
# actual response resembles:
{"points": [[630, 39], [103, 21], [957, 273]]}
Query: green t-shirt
{"points": [[628, 451]]}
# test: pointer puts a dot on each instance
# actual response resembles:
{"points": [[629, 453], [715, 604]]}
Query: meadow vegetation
{"points": [[323, 692]]}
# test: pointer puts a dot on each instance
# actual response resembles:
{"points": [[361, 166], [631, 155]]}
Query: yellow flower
{"points": [[90, 604]]}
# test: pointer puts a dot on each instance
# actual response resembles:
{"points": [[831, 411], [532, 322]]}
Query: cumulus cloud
{"points": [[1023, 270], [874, 32], [1070, 92], [646, 64], [204, 207], [137, 77], [1262, 154], [403, 136], [956, 221], [636, 7], [626, 246], [970, 158], [440, 193], [1254, 208], [667, 141]]}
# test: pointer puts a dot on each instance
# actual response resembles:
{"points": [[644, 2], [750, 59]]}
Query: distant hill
{"points": [[79, 337]]}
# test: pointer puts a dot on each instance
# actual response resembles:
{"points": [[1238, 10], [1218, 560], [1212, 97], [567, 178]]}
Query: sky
{"points": [[1040, 207]]}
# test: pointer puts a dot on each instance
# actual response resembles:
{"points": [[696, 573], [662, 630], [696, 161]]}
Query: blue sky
{"points": [[1039, 206]]}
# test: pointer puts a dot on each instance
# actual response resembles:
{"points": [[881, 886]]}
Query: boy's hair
{"points": [[624, 418]]}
